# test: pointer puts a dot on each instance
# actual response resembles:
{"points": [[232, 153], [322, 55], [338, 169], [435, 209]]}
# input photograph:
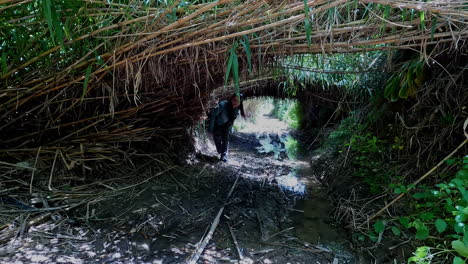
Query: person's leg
{"points": [[218, 139], [225, 145]]}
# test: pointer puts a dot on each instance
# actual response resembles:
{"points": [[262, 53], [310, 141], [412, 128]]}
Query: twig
{"points": [[32, 175], [323, 127], [287, 246], [235, 242], [52, 171], [196, 255], [415, 183], [150, 178]]}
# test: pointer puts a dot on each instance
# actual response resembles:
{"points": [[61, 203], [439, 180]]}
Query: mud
{"points": [[278, 213]]}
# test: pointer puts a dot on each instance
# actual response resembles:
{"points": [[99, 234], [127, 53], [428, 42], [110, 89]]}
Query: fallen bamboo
{"points": [[416, 182], [204, 242]]}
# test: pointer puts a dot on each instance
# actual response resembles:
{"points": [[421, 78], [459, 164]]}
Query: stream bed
{"points": [[278, 213]]}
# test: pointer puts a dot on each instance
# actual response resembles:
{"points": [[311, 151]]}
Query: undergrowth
{"points": [[435, 213], [289, 111]]}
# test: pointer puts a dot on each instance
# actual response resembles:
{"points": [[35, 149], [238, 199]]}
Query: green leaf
{"points": [[420, 195], [420, 255], [373, 236], [379, 227], [47, 9], [441, 225], [230, 62], [404, 221], [427, 216], [248, 52], [458, 227], [235, 68], [403, 93], [457, 260], [396, 231], [460, 248], [422, 16], [462, 174], [86, 82], [422, 232], [386, 12], [465, 237]]}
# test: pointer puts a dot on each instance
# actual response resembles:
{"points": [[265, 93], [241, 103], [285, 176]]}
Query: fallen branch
{"points": [[235, 243], [421, 178], [201, 246]]}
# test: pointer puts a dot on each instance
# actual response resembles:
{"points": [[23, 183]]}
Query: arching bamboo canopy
{"points": [[82, 79]]}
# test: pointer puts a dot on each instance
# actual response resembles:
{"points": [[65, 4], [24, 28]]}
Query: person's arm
{"points": [[214, 113]]}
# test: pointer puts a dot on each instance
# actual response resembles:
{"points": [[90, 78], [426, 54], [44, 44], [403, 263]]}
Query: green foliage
{"points": [[379, 226], [292, 147], [421, 256], [233, 68], [370, 161], [346, 129], [441, 225], [356, 74], [246, 44], [438, 211], [441, 211], [289, 111], [52, 35], [405, 82], [460, 247]]}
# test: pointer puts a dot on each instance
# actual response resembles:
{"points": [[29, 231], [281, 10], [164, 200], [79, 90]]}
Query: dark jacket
{"points": [[220, 116]]}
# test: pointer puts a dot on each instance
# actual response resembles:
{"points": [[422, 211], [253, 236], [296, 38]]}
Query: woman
{"points": [[221, 121]]}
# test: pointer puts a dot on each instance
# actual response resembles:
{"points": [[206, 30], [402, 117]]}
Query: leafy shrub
{"points": [[289, 111], [292, 147], [441, 211], [370, 155]]}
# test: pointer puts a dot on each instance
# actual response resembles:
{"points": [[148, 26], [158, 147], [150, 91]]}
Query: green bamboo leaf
{"points": [[387, 12], [403, 93], [248, 52], [66, 28], [86, 82], [229, 65], [235, 68], [58, 27], [392, 84], [331, 16], [422, 16], [348, 10], [47, 9]]}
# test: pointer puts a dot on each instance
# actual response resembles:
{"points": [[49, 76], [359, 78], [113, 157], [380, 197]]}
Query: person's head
{"points": [[235, 101]]}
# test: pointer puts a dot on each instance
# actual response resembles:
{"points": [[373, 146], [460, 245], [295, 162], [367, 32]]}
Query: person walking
{"points": [[221, 120]]}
